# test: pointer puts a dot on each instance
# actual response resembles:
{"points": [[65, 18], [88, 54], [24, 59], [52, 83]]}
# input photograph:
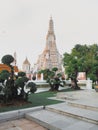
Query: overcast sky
{"points": [[24, 25]]}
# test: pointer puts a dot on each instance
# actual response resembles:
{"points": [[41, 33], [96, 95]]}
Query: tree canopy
{"points": [[82, 58], [7, 59]]}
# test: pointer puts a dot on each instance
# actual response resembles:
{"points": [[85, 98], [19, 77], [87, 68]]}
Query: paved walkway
{"points": [[21, 124], [83, 104], [78, 112]]}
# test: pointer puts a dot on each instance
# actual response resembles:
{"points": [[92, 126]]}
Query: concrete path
{"points": [[21, 124], [80, 112]]}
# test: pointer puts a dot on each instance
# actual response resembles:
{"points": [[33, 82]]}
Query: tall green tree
{"points": [[82, 59]]}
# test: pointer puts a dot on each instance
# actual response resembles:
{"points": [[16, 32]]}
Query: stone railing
{"points": [[86, 84]]}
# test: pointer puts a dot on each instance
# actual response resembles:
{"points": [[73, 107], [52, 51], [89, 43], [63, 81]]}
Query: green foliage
{"points": [[10, 89], [4, 75], [7, 59], [82, 58], [32, 87], [53, 78], [54, 69], [21, 74], [0, 88], [25, 79], [20, 82]]}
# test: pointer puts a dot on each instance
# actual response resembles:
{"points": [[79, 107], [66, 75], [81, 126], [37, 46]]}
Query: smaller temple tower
{"points": [[14, 63], [26, 66], [15, 59]]}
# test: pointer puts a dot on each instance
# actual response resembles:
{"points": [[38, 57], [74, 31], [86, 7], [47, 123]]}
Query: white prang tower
{"points": [[50, 57]]}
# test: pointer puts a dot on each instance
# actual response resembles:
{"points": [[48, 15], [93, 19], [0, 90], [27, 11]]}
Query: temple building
{"points": [[50, 56], [6, 67], [26, 66]]}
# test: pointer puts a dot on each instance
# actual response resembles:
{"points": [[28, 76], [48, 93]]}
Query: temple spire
{"points": [[15, 59], [50, 56], [51, 26], [50, 30]]}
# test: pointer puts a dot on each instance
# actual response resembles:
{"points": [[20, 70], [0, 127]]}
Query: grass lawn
{"points": [[37, 99]]}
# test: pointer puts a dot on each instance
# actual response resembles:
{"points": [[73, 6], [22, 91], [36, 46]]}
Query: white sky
{"points": [[24, 25]]}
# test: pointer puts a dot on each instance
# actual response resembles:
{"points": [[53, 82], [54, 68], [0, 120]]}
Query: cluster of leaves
{"points": [[53, 78], [13, 86], [82, 58]]}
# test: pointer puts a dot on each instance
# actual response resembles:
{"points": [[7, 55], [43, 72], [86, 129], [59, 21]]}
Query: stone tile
{"points": [[21, 124], [94, 127], [14, 128], [6, 125], [29, 126], [81, 125], [40, 128], [61, 124]]}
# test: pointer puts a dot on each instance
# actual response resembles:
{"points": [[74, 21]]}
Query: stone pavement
{"points": [[79, 111], [21, 124]]}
